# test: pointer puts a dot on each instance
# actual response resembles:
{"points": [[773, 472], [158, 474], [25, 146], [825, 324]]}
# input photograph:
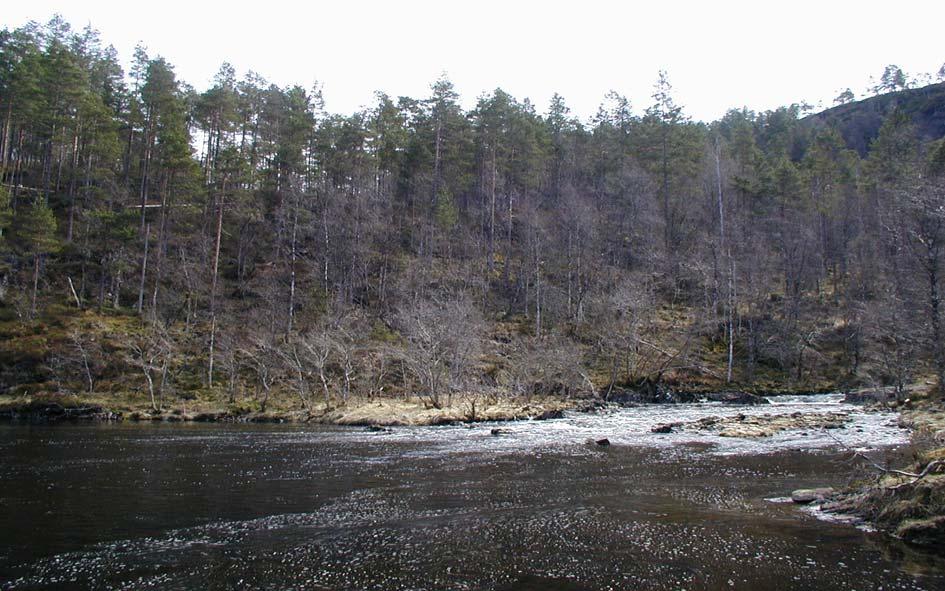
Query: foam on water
{"points": [[632, 426]]}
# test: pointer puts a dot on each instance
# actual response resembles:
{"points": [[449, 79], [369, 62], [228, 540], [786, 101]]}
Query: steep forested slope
{"points": [[166, 244]]}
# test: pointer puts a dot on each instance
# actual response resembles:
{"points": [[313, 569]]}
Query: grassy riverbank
{"points": [[379, 412], [907, 502]]}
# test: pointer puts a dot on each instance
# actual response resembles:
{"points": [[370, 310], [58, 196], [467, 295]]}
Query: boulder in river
{"points": [[809, 495], [665, 428], [603, 442]]}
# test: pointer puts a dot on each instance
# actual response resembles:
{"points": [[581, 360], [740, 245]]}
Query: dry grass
{"points": [[394, 412]]}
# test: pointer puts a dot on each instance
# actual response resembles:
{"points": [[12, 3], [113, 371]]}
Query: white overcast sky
{"points": [[719, 54]]}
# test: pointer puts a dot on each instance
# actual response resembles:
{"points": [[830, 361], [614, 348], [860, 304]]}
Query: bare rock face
{"points": [[809, 495]]}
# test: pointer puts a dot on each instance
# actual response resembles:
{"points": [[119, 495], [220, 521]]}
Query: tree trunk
{"points": [[36, 258], [295, 226], [938, 352], [144, 269], [213, 285]]}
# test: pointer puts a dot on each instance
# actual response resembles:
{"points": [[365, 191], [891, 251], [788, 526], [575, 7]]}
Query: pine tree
{"points": [[34, 236]]}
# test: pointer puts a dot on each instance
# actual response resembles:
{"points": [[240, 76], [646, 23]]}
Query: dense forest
{"points": [[241, 241]]}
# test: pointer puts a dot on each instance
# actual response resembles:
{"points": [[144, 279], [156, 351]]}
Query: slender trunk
{"points": [[144, 269], [723, 249], [72, 185], [213, 331], [327, 246], [147, 376], [87, 368], [492, 215], [570, 278], [163, 382], [126, 164], [731, 325], [162, 243], [146, 169], [664, 190], [5, 140], [938, 351], [101, 284], [18, 166], [213, 284], [292, 255], [508, 244], [436, 165], [537, 287], [264, 380], [36, 258], [78, 302], [116, 293]]}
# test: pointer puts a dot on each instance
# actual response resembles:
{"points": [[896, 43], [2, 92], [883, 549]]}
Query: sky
{"points": [[718, 54]]}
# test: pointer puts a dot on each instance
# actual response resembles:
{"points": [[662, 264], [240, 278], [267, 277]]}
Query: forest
{"points": [[241, 244]]}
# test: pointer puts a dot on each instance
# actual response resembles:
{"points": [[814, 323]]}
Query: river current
{"points": [[217, 506]]}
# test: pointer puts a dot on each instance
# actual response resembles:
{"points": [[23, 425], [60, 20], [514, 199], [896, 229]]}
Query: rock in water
{"points": [[603, 442], [667, 428], [809, 495]]}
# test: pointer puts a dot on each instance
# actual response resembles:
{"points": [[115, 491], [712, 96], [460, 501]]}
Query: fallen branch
{"points": [[930, 468]]}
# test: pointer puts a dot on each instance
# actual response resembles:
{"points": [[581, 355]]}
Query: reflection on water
{"points": [[305, 507]]}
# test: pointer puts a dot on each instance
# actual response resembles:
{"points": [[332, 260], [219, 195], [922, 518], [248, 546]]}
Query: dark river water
{"points": [[193, 506]]}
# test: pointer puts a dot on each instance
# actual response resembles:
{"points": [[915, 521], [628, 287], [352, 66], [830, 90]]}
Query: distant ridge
{"points": [[859, 122]]}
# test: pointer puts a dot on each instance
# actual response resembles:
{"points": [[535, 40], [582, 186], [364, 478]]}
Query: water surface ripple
{"points": [[307, 507]]}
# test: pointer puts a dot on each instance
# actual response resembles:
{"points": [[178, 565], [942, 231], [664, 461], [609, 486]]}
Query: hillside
{"points": [[859, 121], [239, 247]]}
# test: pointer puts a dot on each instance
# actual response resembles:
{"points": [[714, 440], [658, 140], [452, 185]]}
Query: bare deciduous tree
{"points": [[443, 336]]}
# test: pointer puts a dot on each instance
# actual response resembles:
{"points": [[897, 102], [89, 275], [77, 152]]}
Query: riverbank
{"points": [[387, 412], [905, 502]]}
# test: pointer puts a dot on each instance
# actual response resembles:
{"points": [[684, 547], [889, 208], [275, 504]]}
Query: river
{"points": [[222, 506]]}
